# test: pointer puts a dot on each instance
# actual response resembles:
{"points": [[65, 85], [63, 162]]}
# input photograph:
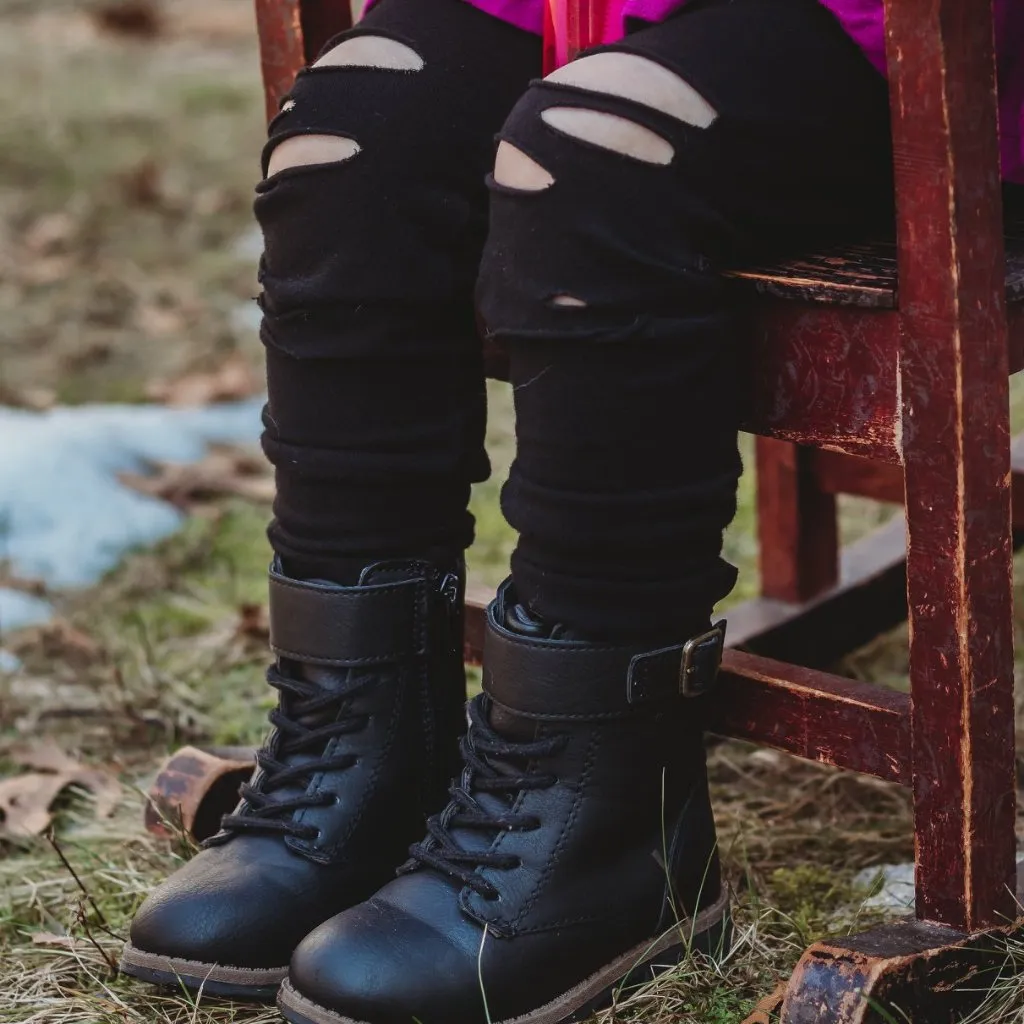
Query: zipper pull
{"points": [[449, 588]]}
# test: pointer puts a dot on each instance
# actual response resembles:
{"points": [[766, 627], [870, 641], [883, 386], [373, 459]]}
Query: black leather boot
{"points": [[364, 743], [578, 851]]}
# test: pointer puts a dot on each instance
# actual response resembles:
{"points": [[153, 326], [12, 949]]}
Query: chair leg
{"points": [[959, 565], [796, 523], [911, 971], [279, 25], [959, 551]]}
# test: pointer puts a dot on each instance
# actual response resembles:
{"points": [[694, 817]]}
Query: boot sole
{"points": [[254, 984], [711, 932]]}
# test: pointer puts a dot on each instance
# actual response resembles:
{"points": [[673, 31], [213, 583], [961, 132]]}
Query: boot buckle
{"points": [[701, 659]]}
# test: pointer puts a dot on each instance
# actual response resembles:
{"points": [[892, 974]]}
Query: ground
{"points": [[128, 151]]}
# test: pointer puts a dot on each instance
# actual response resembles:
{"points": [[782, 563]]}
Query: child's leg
{"points": [[580, 840], [730, 131], [376, 413], [374, 213]]}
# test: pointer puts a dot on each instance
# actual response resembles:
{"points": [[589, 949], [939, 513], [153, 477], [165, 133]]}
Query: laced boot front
{"points": [[363, 743], [577, 851]]}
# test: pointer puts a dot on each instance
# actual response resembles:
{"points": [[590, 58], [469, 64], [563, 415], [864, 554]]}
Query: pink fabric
{"points": [[863, 19]]}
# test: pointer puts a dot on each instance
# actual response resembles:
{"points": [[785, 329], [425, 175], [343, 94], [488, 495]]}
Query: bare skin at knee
{"points": [[514, 169], [372, 52], [641, 80], [369, 51], [309, 150], [609, 131]]}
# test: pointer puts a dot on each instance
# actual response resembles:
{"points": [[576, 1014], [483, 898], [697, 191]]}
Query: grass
{"points": [[126, 168], [126, 174]]}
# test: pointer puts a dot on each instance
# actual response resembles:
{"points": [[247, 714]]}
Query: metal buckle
{"points": [[687, 668]]}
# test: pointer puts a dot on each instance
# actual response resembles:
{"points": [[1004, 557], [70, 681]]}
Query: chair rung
{"points": [[815, 715]]}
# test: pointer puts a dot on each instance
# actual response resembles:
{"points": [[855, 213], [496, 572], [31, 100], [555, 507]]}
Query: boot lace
{"points": [[486, 757], [300, 699]]}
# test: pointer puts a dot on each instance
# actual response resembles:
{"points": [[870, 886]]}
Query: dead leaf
{"points": [[223, 472], [51, 233], [768, 1008], [58, 640], [233, 379], [49, 939], [143, 185], [38, 399], [140, 19], [25, 802], [24, 585], [25, 799], [212, 200], [212, 23], [253, 621], [159, 320], [45, 270]]}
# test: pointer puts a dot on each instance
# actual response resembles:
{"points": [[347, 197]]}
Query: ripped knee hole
{"points": [[364, 51], [514, 169], [310, 150], [624, 75], [371, 51], [611, 132], [636, 78]]}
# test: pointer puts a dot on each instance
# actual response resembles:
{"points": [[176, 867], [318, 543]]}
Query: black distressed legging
{"points": [[627, 400]]}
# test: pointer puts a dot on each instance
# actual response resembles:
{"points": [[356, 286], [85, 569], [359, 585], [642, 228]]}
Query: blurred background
{"points": [[133, 504]]}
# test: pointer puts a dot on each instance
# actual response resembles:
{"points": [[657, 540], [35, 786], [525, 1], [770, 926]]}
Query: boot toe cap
{"points": [[378, 964], [214, 910]]}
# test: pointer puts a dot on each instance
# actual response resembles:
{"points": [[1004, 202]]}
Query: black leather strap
{"points": [[691, 668], [567, 678], [347, 626]]}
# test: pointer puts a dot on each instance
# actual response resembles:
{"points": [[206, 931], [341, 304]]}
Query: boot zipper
{"points": [[449, 589]]}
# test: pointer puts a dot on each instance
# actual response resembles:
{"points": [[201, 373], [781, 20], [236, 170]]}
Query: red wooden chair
{"points": [[857, 387]]}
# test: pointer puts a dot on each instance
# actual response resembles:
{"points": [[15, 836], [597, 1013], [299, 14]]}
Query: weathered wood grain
{"points": [[279, 25], [909, 971], [847, 474], [813, 714], [824, 377], [866, 274], [796, 524], [956, 451]]}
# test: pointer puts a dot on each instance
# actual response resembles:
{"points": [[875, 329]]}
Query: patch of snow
{"points": [[65, 518], [18, 610], [8, 662], [246, 318], [249, 246], [897, 891]]}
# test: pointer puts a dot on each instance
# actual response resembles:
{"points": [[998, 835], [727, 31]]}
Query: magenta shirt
{"points": [[863, 19]]}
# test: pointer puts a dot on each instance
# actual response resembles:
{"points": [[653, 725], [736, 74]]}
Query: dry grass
{"points": [[126, 173]]}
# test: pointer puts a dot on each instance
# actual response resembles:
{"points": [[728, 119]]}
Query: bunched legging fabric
{"points": [[606, 289]]}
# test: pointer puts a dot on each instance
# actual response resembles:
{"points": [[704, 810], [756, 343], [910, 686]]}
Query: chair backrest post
{"points": [[291, 34], [954, 432]]}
